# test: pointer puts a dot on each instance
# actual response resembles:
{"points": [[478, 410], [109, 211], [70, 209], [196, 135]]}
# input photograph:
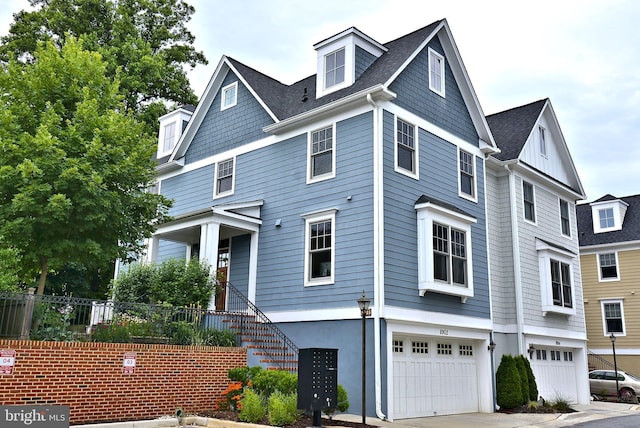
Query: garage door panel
{"points": [[555, 378], [435, 380]]}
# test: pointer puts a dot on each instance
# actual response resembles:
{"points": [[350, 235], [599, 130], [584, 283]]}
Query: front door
{"points": [[222, 274]]}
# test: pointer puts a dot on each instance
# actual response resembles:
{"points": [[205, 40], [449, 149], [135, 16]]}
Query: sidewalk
{"points": [[595, 411]]}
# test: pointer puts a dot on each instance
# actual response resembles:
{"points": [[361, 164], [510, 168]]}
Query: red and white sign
{"points": [[129, 363], [7, 361]]}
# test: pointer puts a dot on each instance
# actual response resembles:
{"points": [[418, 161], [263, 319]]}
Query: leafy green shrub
{"points": [[244, 374], [508, 385], [524, 379], [111, 333], [341, 406], [252, 407], [52, 323], [214, 337], [173, 281], [182, 333], [561, 404], [266, 382], [533, 387], [283, 409]]}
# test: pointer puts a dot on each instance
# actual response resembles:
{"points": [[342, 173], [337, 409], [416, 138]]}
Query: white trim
{"points": [[216, 193], [332, 173], [427, 214], [546, 253], [420, 318], [620, 301], [416, 150], [308, 220], [223, 96], [615, 255], [432, 87], [474, 190]]}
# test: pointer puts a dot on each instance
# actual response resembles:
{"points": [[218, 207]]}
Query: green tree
{"points": [[508, 384], [533, 386], [9, 270], [145, 42], [74, 166], [524, 378]]}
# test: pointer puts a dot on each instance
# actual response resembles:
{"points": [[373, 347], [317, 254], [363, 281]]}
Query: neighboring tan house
{"points": [[536, 290], [368, 175], [610, 258]]}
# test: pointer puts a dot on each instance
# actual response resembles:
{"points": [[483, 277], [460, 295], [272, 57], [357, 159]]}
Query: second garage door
{"points": [[432, 376], [555, 374]]}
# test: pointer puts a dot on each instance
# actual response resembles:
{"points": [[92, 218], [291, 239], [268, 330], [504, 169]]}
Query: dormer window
{"points": [[337, 57], [608, 215], [334, 68], [169, 137]]}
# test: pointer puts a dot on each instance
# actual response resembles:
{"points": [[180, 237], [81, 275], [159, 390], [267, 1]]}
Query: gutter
{"points": [[378, 256]]}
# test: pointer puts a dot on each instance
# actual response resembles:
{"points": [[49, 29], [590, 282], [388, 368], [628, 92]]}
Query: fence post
{"points": [[27, 314]]}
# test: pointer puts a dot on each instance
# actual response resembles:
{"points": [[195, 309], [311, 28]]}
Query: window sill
{"points": [[554, 309], [453, 290]]}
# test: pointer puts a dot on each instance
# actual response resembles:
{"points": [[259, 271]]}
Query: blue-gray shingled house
{"points": [[368, 176]]}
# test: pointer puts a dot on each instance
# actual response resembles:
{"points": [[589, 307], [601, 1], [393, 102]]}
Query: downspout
{"points": [[378, 257], [517, 278]]}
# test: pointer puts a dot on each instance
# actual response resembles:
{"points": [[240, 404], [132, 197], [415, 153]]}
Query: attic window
{"points": [[334, 68], [169, 137], [436, 72], [229, 96], [542, 141]]}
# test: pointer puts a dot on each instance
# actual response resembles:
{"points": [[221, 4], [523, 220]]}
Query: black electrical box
{"points": [[317, 379]]}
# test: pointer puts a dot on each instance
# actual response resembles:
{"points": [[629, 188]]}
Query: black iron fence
{"points": [[63, 318]]}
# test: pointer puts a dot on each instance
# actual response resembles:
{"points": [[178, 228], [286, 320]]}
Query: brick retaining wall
{"points": [[88, 377]]}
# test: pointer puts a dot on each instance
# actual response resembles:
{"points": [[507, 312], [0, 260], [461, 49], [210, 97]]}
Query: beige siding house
{"points": [[610, 258]]}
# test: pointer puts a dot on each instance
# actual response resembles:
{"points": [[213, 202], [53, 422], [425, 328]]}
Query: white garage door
{"points": [[432, 376], [555, 374]]}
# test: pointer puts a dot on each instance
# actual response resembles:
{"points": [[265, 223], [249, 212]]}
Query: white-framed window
{"points": [[436, 72], [229, 96], [334, 68], [556, 266], [565, 223], [320, 236], [542, 141], [406, 148], [613, 317], [445, 262], [225, 178], [321, 154], [169, 139], [608, 266], [467, 176], [528, 201], [606, 218]]}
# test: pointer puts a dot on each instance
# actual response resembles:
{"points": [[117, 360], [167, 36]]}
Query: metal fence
{"points": [[63, 318]]}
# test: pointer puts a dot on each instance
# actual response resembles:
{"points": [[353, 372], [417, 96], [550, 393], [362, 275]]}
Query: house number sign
{"points": [[129, 363], [7, 361]]}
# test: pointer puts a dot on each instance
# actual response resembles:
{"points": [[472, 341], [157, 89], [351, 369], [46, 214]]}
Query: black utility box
{"points": [[317, 379]]}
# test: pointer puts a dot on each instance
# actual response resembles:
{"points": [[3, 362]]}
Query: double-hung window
{"points": [[320, 247], [528, 198], [467, 174], [565, 224], [436, 72], [224, 178], [229, 96], [334, 68], [321, 154], [406, 148], [608, 266], [444, 249], [561, 284], [556, 265], [613, 317]]}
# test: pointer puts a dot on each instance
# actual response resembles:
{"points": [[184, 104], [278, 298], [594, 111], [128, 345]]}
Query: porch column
{"points": [[253, 267], [152, 249], [209, 239]]}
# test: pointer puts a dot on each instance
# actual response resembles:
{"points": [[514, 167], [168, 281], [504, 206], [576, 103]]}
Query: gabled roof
{"points": [[284, 103], [511, 128], [630, 227]]}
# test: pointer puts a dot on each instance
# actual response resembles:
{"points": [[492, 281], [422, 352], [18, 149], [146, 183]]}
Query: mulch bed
{"points": [[304, 422]]}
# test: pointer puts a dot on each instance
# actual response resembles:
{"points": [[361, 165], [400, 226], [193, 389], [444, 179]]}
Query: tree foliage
{"points": [[144, 42], [74, 166], [508, 383]]}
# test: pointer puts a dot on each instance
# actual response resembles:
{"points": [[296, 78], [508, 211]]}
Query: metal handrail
{"points": [[281, 350]]}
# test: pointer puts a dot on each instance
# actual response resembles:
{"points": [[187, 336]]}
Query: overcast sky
{"points": [[583, 55]]}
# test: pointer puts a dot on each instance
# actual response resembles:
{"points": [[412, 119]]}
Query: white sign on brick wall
{"points": [[7, 361], [129, 363]]}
